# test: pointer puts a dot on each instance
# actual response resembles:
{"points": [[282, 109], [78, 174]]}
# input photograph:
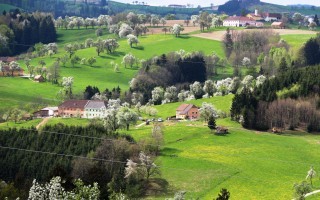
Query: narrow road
{"points": [[42, 123], [312, 193]]}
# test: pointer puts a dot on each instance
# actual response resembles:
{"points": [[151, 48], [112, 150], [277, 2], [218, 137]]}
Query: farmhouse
{"points": [[278, 25], [187, 111], [271, 17], [46, 112], [95, 109], [72, 108], [238, 21], [39, 78]]}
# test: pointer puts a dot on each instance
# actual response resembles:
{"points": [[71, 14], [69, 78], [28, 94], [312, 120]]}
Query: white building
{"points": [[95, 109], [238, 21]]}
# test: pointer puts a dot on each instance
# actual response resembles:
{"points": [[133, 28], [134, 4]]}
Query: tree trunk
{"points": [[127, 127]]}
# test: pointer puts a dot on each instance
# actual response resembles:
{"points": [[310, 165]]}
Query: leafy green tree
{"points": [[223, 195], [99, 44], [91, 61], [75, 60], [70, 49], [302, 189]]}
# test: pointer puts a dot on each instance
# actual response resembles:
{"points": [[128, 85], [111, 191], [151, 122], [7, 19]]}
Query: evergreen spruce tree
{"points": [[283, 67], [212, 123]]}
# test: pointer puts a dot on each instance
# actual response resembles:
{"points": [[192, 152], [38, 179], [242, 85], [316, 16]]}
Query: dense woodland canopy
{"points": [[61, 7], [22, 166], [22, 30]]}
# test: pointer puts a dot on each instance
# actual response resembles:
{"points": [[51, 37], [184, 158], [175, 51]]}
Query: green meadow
{"points": [[250, 164], [101, 74]]}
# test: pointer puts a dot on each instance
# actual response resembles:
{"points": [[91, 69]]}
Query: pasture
{"points": [[101, 74], [250, 164]]}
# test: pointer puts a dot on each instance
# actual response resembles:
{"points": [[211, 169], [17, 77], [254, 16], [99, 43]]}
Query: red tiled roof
{"points": [[239, 18], [184, 108], [74, 104]]}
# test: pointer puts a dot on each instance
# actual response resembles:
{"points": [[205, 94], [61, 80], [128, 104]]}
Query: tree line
{"points": [[19, 31], [289, 100], [58, 8]]}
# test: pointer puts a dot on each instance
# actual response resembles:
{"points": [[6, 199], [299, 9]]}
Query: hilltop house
{"points": [[95, 109], [239, 21], [187, 111]]}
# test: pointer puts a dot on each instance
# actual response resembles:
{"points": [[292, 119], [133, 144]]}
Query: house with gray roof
{"points": [[95, 109]]}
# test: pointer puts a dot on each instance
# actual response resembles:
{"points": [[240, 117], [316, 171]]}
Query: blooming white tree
{"points": [[145, 168], [125, 30], [126, 117], [67, 83], [246, 62], [260, 80], [111, 45], [128, 59], [157, 95], [171, 94], [132, 39], [209, 88], [207, 110], [196, 89], [311, 174], [183, 95], [247, 81], [176, 29], [54, 190], [195, 19], [14, 66]]}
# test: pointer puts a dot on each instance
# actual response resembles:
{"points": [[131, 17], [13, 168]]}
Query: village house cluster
{"points": [[254, 19]]}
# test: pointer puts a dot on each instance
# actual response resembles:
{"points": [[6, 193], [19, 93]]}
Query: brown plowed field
{"points": [[218, 35]]}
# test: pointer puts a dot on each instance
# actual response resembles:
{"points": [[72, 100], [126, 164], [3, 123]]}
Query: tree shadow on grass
{"points": [[170, 152], [184, 37], [94, 66], [118, 53], [107, 57], [156, 186], [138, 48]]}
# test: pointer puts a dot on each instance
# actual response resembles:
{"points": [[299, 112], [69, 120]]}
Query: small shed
{"points": [[39, 78], [221, 130], [278, 25]]}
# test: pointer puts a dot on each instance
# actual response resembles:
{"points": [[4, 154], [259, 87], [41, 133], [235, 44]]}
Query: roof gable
{"points": [[74, 104], [184, 108], [96, 104]]}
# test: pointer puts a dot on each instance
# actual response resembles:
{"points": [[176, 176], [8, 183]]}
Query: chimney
{"points": [[256, 12]]}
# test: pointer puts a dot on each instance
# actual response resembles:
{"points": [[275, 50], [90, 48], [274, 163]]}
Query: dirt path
{"points": [[218, 35], [42, 123]]}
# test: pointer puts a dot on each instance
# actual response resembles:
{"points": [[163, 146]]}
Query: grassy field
{"points": [[250, 164], [222, 103], [23, 124], [294, 42], [101, 74]]}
